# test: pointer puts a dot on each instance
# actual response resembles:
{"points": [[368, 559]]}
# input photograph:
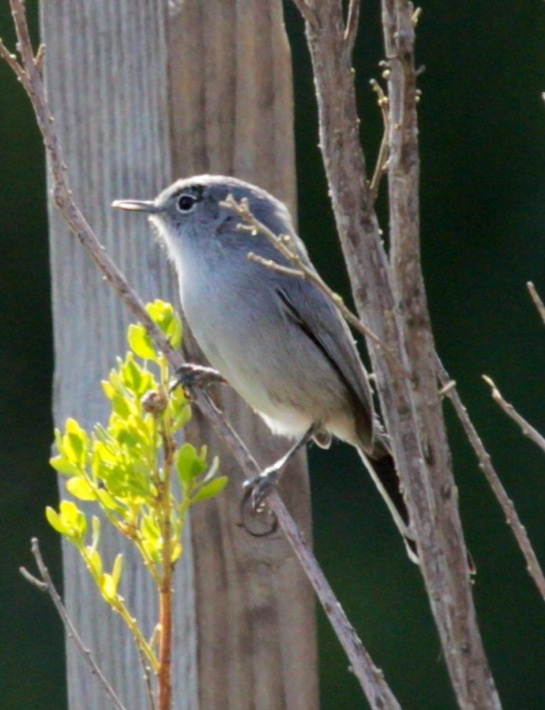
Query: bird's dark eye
{"points": [[186, 202]]}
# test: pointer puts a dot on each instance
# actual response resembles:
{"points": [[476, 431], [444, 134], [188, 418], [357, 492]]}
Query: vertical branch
{"points": [[438, 525], [352, 21], [407, 280], [391, 300]]}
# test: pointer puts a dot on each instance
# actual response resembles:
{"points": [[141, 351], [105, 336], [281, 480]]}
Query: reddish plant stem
{"points": [[165, 590]]}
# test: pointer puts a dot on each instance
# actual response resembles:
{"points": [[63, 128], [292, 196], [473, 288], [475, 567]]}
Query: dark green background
{"points": [[482, 122]]}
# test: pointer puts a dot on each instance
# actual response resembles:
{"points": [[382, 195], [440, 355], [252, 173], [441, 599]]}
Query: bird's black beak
{"points": [[147, 206]]}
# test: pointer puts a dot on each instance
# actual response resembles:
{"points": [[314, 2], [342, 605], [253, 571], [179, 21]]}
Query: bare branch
{"points": [[284, 244], [42, 586], [438, 524], [11, 61], [537, 300], [415, 17], [382, 159], [390, 299], [39, 60], [275, 266], [45, 584], [352, 21], [147, 679], [526, 428], [308, 13], [370, 678], [485, 463], [445, 389]]}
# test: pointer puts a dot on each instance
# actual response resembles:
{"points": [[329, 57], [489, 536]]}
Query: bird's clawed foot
{"points": [[258, 488], [190, 375]]}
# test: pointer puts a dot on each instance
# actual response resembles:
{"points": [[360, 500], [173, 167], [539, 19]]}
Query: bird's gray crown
{"points": [[212, 187], [201, 196]]}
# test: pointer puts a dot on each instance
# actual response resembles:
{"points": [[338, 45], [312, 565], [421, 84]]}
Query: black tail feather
{"points": [[384, 473], [385, 469]]}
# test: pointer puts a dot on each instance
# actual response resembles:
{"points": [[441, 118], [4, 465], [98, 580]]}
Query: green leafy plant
{"points": [[128, 469]]}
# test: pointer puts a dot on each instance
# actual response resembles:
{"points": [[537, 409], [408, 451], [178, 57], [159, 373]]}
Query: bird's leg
{"points": [[259, 487], [191, 375]]}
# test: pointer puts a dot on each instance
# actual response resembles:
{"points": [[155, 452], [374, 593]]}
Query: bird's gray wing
{"points": [[321, 322]]}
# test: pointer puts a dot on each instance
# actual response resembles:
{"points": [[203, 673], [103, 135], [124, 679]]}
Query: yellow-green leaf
{"points": [[54, 520], [164, 315], [108, 501], [73, 519], [210, 490], [94, 562], [117, 569], [177, 551], [80, 488], [108, 587], [140, 342], [109, 391], [95, 525], [63, 466], [75, 443], [189, 465]]}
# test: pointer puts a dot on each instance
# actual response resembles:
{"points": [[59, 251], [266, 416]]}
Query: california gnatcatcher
{"points": [[274, 337]]}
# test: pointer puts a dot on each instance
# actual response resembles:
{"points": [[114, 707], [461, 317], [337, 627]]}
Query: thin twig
{"points": [[526, 428], [485, 463], [382, 160], [445, 389], [147, 679], [308, 13], [30, 75], [415, 18], [45, 584], [352, 20], [275, 266], [537, 300], [285, 246], [370, 678], [11, 60]]}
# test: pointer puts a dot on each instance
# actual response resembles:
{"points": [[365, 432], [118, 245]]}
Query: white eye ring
{"points": [[186, 202]]}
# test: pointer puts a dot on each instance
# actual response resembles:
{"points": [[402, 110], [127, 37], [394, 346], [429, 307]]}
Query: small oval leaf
{"points": [[210, 490]]}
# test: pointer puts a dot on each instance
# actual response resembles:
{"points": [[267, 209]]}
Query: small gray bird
{"points": [[275, 338]]}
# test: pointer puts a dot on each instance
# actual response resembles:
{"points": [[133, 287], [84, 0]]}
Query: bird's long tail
{"points": [[382, 469]]}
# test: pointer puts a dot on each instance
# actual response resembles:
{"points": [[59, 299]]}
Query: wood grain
{"points": [[232, 113], [110, 74]]}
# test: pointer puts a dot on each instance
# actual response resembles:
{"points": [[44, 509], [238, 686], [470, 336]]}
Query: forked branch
{"points": [[485, 463], [45, 584], [390, 297], [526, 428]]}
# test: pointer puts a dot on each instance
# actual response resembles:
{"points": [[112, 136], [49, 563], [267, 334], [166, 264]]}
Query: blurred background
{"points": [[482, 128]]}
